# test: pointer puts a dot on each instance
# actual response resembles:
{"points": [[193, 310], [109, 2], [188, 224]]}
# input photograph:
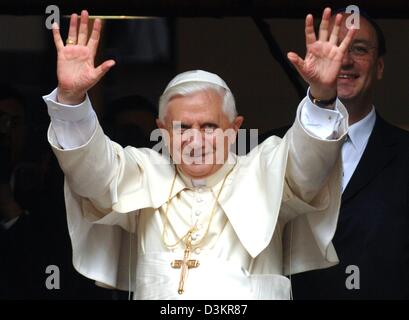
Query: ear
{"points": [[164, 131], [238, 122], [380, 65], [160, 124]]}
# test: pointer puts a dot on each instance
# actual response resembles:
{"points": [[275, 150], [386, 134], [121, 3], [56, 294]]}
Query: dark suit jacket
{"points": [[373, 226], [37, 241]]}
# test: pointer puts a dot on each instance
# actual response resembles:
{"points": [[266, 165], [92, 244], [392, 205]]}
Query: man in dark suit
{"points": [[372, 237], [33, 230]]}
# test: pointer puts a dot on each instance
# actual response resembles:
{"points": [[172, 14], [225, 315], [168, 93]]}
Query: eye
{"points": [[180, 128], [209, 127], [359, 50]]}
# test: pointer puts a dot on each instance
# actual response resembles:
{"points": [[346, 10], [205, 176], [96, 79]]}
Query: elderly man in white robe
{"points": [[196, 227]]}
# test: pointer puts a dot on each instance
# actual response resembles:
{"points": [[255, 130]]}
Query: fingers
{"points": [[72, 32], [59, 44], [347, 40], [309, 31], [297, 62], [323, 33], [104, 68], [83, 30], [95, 35], [335, 30]]}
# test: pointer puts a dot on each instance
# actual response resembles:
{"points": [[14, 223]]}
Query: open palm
{"points": [[322, 63], [323, 59], [76, 72]]}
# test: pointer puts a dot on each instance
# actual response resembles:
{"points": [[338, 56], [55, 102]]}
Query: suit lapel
{"points": [[380, 150]]}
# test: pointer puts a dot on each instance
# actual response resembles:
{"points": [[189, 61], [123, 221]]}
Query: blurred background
{"points": [[151, 42]]}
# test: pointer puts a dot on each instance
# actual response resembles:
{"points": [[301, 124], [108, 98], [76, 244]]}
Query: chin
{"points": [[346, 95], [347, 92], [197, 170]]}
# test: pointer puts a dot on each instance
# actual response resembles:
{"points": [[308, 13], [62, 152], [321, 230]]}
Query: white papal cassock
{"points": [[276, 214]]}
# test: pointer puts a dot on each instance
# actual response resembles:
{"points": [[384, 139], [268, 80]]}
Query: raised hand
{"points": [[76, 72], [323, 59]]}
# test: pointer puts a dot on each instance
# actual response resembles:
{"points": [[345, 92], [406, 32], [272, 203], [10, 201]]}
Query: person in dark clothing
{"points": [[372, 236], [35, 250]]}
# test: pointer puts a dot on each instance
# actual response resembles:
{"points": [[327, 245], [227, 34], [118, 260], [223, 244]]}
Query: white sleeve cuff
{"points": [[71, 126], [65, 112], [321, 122]]}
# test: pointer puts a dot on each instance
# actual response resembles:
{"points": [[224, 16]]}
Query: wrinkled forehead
{"points": [[198, 106]]}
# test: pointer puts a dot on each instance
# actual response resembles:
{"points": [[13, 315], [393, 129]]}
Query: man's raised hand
{"points": [[76, 72], [323, 59]]}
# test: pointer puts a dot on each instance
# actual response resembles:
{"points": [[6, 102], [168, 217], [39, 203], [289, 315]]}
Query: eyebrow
{"points": [[183, 125], [362, 41], [178, 124], [210, 124]]}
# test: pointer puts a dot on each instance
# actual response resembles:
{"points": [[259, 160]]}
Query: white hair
{"points": [[191, 87]]}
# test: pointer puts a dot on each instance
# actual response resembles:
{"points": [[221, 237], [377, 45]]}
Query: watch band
{"points": [[321, 103]]}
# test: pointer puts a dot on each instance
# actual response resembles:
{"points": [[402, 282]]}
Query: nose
{"points": [[347, 60], [196, 137], [193, 137], [192, 142]]}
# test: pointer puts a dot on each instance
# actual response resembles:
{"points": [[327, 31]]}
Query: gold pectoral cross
{"points": [[184, 265]]}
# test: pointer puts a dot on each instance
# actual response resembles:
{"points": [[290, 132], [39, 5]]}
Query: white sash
{"points": [[214, 279]]}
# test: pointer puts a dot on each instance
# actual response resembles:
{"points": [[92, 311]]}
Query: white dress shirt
{"points": [[74, 125], [355, 144]]}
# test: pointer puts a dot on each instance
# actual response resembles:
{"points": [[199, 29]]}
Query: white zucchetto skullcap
{"points": [[196, 76]]}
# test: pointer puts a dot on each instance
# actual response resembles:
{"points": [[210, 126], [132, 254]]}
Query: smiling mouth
{"points": [[196, 156], [198, 160], [347, 76]]}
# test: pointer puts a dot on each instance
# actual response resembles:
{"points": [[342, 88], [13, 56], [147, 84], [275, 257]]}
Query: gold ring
{"points": [[69, 41]]}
